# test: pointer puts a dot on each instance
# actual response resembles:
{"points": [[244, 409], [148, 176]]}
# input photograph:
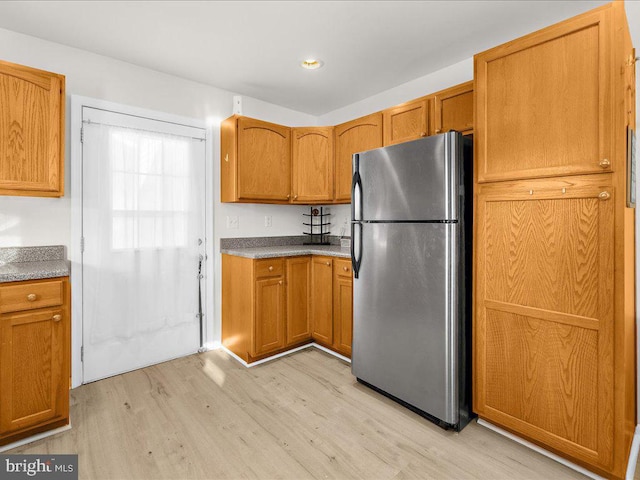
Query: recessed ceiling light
{"points": [[311, 64]]}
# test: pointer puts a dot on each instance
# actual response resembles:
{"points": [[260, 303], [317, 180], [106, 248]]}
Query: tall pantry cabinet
{"points": [[554, 327]]}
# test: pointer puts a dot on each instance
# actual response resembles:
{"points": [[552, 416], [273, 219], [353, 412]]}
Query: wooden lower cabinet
{"points": [[544, 331], [322, 300], [272, 305], [265, 305], [298, 304], [34, 357], [332, 304], [269, 334], [342, 307]]}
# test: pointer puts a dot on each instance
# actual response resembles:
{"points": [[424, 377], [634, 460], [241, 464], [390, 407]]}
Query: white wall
{"points": [[40, 221]]}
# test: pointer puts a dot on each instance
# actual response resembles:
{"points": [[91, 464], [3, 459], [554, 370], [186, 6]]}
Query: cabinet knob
{"points": [[226, 158], [271, 268], [328, 264], [438, 130], [604, 196], [288, 197], [346, 269], [423, 134], [605, 163], [280, 282], [57, 318], [295, 197], [31, 297]]}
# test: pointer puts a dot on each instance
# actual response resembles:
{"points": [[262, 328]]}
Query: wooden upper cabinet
{"points": [[405, 122], [544, 326], [31, 131], [255, 161], [453, 109], [543, 102], [312, 165], [358, 135]]}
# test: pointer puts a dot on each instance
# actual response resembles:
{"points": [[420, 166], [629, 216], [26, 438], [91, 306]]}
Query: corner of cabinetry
{"points": [[228, 159]]}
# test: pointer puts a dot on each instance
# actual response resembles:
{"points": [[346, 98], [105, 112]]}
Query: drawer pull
{"points": [[32, 297], [271, 268], [57, 318]]}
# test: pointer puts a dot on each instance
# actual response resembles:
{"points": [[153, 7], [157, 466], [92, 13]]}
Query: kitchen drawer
{"points": [[343, 268], [30, 295], [269, 267]]}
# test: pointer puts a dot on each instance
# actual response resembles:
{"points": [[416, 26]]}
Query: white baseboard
{"points": [[33, 438], [633, 455], [293, 350], [540, 450]]}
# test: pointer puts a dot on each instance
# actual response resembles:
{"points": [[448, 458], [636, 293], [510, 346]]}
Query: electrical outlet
{"points": [[232, 221], [268, 221]]}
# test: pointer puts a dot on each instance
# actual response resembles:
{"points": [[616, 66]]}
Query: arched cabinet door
{"points": [[312, 165], [358, 135]]}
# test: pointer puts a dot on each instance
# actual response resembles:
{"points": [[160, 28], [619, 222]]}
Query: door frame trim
{"points": [[75, 252]]}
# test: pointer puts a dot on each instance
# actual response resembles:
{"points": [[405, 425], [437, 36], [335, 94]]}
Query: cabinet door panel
{"points": [[312, 165], [352, 137], [405, 122], [298, 293], [322, 299], [544, 313], [31, 131], [454, 109], [269, 319], [343, 307], [32, 360], [264, 160], [543, 102]]}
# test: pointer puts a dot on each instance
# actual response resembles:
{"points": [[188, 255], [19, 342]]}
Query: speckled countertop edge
{"points": [[288, 251], [32, 263]]}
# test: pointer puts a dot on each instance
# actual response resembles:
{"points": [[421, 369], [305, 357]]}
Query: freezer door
{"points": [[410, 181], [405, 314]]}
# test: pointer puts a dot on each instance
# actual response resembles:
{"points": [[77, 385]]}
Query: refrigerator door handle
{"points": [[356, 262], [356, 182]]}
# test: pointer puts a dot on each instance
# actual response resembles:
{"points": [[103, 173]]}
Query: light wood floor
{"points": [[301, 416]]}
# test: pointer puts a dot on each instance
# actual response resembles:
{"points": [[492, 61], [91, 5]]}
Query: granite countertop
{"points": [[288, 251], [32, 263]]}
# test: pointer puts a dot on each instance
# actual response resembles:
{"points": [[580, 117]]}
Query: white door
{"points": [[143, 224]]}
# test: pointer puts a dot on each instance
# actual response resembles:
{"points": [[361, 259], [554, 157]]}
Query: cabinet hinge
{"points": [[82, 353], [81, 134], [82, 244]]}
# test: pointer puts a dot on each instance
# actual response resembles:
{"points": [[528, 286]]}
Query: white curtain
{"points": [[143, 222]]}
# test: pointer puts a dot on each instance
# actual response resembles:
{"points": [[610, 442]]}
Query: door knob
{"points": [[31, 297]]}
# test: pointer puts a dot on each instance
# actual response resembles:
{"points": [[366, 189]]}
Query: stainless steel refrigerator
{"points": [[411, 252]]}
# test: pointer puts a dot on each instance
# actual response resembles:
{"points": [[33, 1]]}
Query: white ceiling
{"points": [[254, 48]]}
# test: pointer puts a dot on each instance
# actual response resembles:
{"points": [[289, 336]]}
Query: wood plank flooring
{"points": [[298, 417]]}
